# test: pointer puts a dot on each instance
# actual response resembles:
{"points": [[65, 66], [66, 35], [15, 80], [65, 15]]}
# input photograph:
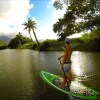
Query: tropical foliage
{"points": [[80, 16], [30, 25], [28, 45], [88, 42], [3, 45], [51, 45], [18, 41]]}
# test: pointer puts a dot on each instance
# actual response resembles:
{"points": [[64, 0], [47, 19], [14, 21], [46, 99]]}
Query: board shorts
{"points": [[67, 67]]}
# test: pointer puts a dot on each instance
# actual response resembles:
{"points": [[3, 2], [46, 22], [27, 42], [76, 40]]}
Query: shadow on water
{"points": [[20, 80]]}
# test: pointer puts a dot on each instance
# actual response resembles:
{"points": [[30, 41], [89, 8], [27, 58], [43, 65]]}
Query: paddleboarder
{"points": [[66, 64]]}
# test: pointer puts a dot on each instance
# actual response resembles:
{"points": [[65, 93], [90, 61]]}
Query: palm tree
{"points": [[31, 25]]}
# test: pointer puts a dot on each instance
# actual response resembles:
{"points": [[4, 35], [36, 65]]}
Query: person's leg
{"points": [[67, 84], [62, 85], [65, 80], [69, 77]]}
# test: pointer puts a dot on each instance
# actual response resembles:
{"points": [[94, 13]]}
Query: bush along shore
{"points": [[55, 45], [3, 45], [88, 42]]}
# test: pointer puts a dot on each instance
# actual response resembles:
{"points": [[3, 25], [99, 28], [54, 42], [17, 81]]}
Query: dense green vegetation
{"points": [[3, 45], [79, 16], [31, 25], [88, 42], [51, 45], [18, 41]]}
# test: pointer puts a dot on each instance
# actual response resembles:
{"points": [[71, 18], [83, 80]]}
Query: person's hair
{"points": [[68, 42]]}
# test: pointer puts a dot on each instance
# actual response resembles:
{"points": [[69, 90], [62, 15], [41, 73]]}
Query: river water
{"points": [[20, 79]]}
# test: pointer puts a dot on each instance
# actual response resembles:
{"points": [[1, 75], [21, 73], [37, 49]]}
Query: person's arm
{"points": [[65, 56], [60, 57]]}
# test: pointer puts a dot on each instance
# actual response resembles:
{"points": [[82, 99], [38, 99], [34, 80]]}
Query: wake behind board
{"points": [[76, 89]]}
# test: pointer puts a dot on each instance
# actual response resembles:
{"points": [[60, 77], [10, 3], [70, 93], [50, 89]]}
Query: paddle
{"points": [[63, 71]]}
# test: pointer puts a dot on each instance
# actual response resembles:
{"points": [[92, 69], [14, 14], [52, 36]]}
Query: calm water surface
{"points": [[20, 80]]}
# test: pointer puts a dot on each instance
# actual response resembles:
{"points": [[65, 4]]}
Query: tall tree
{"points": [[31, 25], [18, 41], [79, 16]]}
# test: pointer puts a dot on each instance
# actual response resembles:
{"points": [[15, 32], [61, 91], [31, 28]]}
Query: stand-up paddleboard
{"points": [[76, 89]]}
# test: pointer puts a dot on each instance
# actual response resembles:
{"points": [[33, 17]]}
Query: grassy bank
{"points": [[85, 44], [3, 45], [81, 44], [88, 42]]}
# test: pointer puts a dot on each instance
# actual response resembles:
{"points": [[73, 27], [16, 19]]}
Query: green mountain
{"points": [[5, 39]]}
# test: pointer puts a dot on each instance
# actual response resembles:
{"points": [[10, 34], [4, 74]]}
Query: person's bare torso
{"points": [[67, 54]]}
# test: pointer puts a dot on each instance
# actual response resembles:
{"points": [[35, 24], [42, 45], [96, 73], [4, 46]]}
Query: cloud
{"points": [[50, 4], [45, 32], [45, 28], [12, 14], [77, 35]]}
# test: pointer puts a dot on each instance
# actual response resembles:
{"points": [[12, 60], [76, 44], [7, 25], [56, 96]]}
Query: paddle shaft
{"points": [[63, 72]]}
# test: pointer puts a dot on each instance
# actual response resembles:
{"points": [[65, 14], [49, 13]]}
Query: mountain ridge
{"points": [[5, 39]]}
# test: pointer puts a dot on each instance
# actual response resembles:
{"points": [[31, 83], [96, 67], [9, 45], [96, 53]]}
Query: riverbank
{"points": [[55, 45], [3, 45], [88, 42], [19, 73]]}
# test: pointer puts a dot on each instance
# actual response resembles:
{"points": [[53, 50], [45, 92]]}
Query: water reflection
{"points": [[76, 66], [84, 64], [15, 76], [19, 73]]}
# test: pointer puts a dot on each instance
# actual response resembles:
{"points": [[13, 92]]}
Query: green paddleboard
{"points": [[77, 89]]}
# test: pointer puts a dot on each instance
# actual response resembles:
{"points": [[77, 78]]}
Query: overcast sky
{"points": [[13, 13]]}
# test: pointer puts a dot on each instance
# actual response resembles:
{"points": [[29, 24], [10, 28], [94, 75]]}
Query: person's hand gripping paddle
{"points": [[63, 71]]}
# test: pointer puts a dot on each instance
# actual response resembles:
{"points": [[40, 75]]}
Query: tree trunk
{"points": [[30, 36], [35, 37]]}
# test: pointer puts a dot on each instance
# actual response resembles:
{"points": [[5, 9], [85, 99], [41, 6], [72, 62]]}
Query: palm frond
{"points": [[30, 25]]}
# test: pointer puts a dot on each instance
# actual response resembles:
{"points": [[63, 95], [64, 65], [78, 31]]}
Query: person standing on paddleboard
{"points": [[66, 64]]}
